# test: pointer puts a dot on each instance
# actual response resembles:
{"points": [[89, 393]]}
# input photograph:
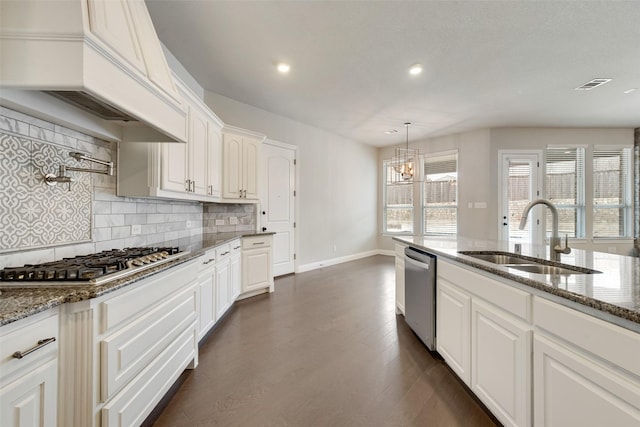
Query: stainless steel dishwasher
{"points": [[420, 295]]}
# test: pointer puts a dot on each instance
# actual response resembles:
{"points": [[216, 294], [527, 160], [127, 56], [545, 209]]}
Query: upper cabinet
{"points": [[241, 155], [180, 171], [102, 56]]}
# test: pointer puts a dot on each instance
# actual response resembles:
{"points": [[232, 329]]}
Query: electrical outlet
{"points": [[189, 224], [335, 248], [233, 220], [219, 221], [136, 229]]}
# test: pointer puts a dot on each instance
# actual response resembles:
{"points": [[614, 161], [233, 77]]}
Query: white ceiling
{"points": [[486, 64]]}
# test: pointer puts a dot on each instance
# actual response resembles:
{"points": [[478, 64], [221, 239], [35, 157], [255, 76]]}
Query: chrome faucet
{"points": [[51, 179], [555, 248]]}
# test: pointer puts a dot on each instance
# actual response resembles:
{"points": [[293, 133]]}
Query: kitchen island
{"points": [[538, 349]]}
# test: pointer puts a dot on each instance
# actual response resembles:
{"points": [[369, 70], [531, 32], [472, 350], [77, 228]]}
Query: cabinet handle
{"points": [[209, 261], [193, 186], [240, 194], [236, 247], [258, 243], [245, 194], [41, 343], [224, 253], [187, 185]]}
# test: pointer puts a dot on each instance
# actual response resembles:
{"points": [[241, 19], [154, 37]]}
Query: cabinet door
{"points": [[453, 329], [198, 134], [571, 389], [235, 276], [214, 165], [250, 159], [32, 399], [400, 284], [223, 277], [501, 363], [174, 167], [231, 166], [255, 269], [207, 314]]}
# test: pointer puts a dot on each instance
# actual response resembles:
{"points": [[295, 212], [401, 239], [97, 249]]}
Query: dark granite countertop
{"points": [[613, 295], [18, 303]]}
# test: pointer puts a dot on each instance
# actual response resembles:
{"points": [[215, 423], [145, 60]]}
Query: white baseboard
{"points": [[340, 260]]}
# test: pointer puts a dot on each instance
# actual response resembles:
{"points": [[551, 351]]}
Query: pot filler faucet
{"points": [[51, 179], [555, 249]]}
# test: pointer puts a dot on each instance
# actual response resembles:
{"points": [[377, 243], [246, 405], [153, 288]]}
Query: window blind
{"points": [[440, 194], [564, 184], [612, 192]]}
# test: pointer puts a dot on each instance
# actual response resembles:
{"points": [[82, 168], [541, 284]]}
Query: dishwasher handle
{"points": [[418, 259]]}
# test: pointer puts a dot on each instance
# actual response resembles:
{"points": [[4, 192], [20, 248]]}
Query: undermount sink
{"points": [[499, 258], [528, 264]]}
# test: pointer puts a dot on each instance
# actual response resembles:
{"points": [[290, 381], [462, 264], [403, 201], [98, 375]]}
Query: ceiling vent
{"points": [[593, 84]]}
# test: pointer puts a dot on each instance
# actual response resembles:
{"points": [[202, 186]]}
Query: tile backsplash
{"points": [[91, 217]]}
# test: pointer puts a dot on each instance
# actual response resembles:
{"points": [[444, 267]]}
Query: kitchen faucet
{"points": [[555, 249], [62, 177]]}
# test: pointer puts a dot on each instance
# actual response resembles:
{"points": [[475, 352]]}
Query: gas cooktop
{"points": [[94, 269]]}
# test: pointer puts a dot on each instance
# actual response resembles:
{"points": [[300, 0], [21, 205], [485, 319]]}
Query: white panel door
{"points": [[501, 364], [571, 389], [278, 204], [198, 134], [250, 167], [453, 329]]}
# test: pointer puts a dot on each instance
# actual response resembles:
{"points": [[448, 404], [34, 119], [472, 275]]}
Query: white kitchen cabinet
{"points": [[188, 171], [586, 370], [241, 157], [207, 293], [121, 352], [223, 282], [257, 264], [484, 334], [453, 328], [236, 269], [400, 278], [501, 363], [29, 385], [574, 389]]}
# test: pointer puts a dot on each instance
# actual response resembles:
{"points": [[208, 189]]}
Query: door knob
{"points": [[264, 228], [264, 212], [504, 223]]}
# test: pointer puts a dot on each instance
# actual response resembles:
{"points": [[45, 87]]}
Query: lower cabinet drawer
{"points": [[256, 242], [33, 332], [136, 401], [128, 351]]}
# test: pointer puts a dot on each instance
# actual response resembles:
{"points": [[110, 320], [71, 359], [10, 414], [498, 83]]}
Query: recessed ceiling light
{"points": [[283, 67], [415, 69], [633, 89], [390, 132], [593, 84]]}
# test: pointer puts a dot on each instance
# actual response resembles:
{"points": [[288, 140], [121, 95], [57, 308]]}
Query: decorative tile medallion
{"points": [[33, 214]]}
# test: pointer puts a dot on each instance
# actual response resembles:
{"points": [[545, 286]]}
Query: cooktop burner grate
{"points": [[92, 269]]}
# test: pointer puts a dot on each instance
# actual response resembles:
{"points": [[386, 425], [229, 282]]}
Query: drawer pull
{"points": [[41, 343], [236, 247], [258, 243], [224, 253], [209, 261]]}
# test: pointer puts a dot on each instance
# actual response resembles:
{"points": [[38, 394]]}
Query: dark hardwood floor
{"points": [[325, 349]]}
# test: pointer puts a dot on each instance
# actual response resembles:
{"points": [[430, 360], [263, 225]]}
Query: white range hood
{"points": [[102, 56]]}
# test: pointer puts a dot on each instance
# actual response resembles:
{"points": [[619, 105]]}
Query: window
{"points": [[612, 183], [398, 204], [440, 194], [565, 189]]}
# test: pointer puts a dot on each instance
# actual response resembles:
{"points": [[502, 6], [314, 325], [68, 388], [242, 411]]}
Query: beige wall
{"points": [[337, 201], [478, 164]]}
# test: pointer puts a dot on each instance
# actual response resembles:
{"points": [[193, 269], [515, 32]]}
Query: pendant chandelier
{"points": [[405, 163]]}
